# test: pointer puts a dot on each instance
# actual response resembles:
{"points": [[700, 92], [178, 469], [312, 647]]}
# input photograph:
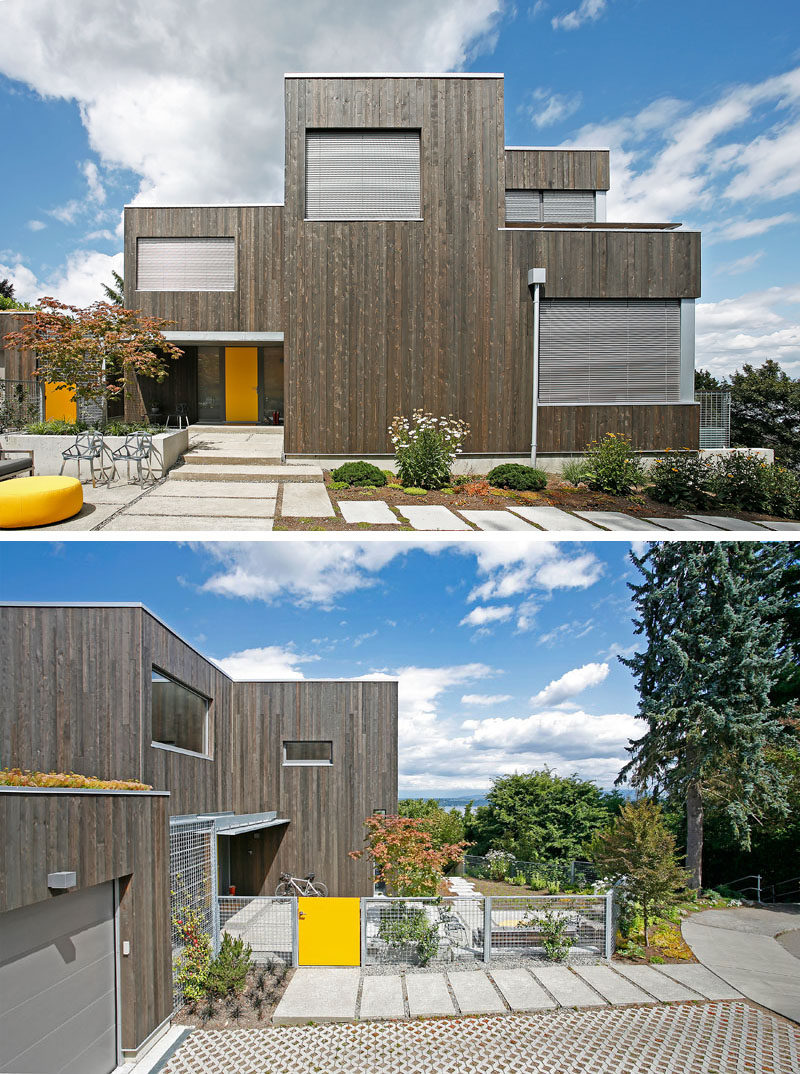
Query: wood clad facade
{"points": [[381, 317], [102, 836], [18, 365]]}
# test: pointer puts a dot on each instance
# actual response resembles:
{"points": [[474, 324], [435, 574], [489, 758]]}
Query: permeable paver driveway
{"points": [[724, 1038]]}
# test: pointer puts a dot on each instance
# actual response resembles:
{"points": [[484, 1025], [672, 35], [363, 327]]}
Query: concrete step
{"points": [[207, 472], [232, 460]]}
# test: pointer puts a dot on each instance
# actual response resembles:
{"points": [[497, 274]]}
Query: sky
{"points": [[505, 650], [130, 101]]}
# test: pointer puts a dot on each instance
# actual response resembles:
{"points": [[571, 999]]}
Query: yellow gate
{"points": [[58, 402], [241, 383], [329, 932]]}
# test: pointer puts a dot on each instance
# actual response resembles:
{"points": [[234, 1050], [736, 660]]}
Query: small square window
{"points": [[308, 752], [179, 716]]}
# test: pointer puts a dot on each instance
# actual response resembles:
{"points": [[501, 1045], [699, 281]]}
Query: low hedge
{"points": [[359, 473], [513, 475]]}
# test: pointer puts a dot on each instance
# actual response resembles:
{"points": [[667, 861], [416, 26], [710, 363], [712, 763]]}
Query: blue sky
{"points": [[505, 649], [699, 102]]}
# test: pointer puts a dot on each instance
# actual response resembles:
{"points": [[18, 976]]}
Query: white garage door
{"points": [[57, 985]]}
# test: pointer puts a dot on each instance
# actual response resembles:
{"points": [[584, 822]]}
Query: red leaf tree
{"points": [[404, 855]]}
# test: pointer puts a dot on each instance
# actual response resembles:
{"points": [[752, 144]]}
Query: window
{"points": [[362, 175], [308, 752], [180, 716], [186, 264], [555, 206], [609, 351]]}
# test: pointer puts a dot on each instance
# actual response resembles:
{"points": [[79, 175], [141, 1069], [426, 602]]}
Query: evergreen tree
{"points": [[115, 292], [709, 613]]}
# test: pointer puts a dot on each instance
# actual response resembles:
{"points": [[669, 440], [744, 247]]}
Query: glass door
{"points": [[210, 384]]}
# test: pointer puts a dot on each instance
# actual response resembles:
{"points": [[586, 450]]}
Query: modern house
{"points": [[418, 262], [281, 774]]}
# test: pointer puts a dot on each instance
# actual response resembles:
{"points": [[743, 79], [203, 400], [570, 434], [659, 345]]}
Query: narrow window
{"points": [[179, 715], [308, 752], [186, 264], [550, 206], [362, 175]]}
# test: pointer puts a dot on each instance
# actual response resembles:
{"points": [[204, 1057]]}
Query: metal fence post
{"points": [[572, 873], [295, 933], [364, 903], [610, 923], [215, 919], [758, 888], [487, 928]]}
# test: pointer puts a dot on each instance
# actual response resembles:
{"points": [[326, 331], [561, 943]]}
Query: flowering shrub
{"points": [[611, 465], [404, 855], [425, 448], [681, 478], [782, 489], [193, 962], [20, 777], [739, 481], [499, 863]]}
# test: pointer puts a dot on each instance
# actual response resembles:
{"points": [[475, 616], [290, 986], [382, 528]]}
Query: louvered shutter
{"points": [[609, 351], [523, 206], [568, 206], [362, 175], [186, 264]]}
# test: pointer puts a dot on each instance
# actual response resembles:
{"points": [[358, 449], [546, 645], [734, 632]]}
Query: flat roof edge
{"points": [[393, 74], [563, 148], [82, 790], [208, 205]]}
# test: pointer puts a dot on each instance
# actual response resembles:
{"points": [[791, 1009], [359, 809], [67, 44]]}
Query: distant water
{"points": [[452, 803]]}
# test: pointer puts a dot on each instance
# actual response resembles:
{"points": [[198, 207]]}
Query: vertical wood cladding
{"points": [[651, 428], [92, 714], [255, 305], [557, 169], [19, 365], [102, 836]]}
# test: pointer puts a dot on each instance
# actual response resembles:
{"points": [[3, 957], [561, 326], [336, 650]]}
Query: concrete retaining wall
{"points": [[167, 449]]}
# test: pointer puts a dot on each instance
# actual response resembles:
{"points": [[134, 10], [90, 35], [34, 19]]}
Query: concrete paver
{"points": [[566, 987], [781, 525], [306, 501], [319, 995], [552, 518], [186, 523], [196, 471], [432, 517], [722, 522], [375, 512], [612, 986], [520, 991], [496, 520], [617, 520], [727, 1038], [428, 995], [254, 490], [475, 993], [114, 494], [681, 524], [209, 506], [88, 518], [693, 975], [657, 984], [382, 997]]}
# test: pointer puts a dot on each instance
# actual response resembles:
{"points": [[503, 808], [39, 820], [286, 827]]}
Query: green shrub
{"points": [[360, 473], [553, 925], [741, 481], [681, 478], [513, 475], [518, 881], [575, 471], [409, 926], [56, 427], [425, 448], [415, 492], [193, 962], [457, 480], [499, 862], [782, 487], [612, 466], [227, 973]]}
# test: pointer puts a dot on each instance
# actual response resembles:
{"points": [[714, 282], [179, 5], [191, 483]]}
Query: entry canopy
{"points": [[238, 824], [227, 339]]}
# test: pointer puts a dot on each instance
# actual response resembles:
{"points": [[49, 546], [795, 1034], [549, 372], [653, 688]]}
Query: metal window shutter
{"points": [[523, 206], [186, 264], [568, 206], [609, 351], [362, 175]]}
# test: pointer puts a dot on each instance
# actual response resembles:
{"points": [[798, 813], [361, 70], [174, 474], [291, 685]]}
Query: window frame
{"points": [[285, 763], [206, 753], [229, 240]]}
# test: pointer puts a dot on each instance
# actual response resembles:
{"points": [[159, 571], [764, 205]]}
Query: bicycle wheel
{"points": [[317, 889], [284, 889]]}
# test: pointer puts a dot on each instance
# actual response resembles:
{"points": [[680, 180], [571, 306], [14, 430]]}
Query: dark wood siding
{"points": [[19, 365], [102, 836], [557, 169], [650, 428]]}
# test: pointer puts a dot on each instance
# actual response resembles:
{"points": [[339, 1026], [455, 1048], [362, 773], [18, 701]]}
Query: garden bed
{"points": [[239, 1012], [47, 449]]}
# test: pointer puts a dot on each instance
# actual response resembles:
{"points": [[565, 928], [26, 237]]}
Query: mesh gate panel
{"points": [[192, 864], [519, 923], [266, 923], [415, 931]]}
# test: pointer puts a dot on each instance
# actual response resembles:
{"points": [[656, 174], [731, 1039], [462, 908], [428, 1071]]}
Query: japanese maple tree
{"points": [[404, 854]]}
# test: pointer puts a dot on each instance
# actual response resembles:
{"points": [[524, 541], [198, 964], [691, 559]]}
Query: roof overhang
{"points": [[239, 824], [232, 338]]}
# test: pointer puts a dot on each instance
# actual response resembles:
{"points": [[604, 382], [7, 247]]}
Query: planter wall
{"points": [[167, 449]]}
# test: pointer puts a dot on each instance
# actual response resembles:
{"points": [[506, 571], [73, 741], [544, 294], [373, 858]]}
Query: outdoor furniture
{"points": [[181, 416], [37, 501], [15, 467], [88, 447], [138, 448]]}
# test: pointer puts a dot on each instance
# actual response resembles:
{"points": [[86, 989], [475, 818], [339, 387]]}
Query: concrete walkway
{"points": [[345, 995], [739, 945]]}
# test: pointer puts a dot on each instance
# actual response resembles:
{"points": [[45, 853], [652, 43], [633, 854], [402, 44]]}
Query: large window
{"points": [[180, 716], [186, 264], [308, 752], [609, 351], [554, 206], [362, 175]]}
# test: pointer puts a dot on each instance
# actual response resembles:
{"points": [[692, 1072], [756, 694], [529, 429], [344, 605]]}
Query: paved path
{"points": [[317, 995], [723, 1038], [739, 945]]}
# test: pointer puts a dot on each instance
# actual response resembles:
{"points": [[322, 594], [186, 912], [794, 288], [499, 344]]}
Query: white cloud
{"points": [[514, 568], [730, 230], [485, 699], [588, 11], [269, 663], [570, 684], [750, 328], [480, 616], [544, 107], [36, 225], [77, 282], [569, 735], [739, 265]]}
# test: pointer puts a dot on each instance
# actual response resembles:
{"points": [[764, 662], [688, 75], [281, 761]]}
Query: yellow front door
{"points": [[241, 383], [58, 403], [329, 932]]}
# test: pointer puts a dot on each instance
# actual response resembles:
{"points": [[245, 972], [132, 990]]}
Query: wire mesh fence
{"points": [[715, 419], [20, 403], [533, 874], [266, 923], [525, 925], [419, 931], [192, 871]]}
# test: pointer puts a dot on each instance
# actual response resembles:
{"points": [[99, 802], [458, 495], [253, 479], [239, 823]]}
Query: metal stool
{"points": [[88, 447]]}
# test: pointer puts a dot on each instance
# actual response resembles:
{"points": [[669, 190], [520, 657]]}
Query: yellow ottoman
{"points": [[35, 501]]}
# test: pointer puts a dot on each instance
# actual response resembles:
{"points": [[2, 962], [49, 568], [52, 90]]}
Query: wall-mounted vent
{"points": [[186, 264], [362, 175]]}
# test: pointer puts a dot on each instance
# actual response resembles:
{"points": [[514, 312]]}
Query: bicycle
{"points": [[296, 886]]}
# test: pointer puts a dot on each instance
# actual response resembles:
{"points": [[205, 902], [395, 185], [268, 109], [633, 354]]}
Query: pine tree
{"points": [[710, 614], [115, 292]]}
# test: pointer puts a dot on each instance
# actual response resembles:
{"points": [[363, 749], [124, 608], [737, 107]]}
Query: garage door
{"points": [[57, 985]]}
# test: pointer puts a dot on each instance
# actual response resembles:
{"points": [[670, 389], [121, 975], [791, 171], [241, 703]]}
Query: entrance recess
{"points": [[329, 932], [241, 384]]}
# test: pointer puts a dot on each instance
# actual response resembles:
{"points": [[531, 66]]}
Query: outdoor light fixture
{"points": [[536, 280], [61, 881]]}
